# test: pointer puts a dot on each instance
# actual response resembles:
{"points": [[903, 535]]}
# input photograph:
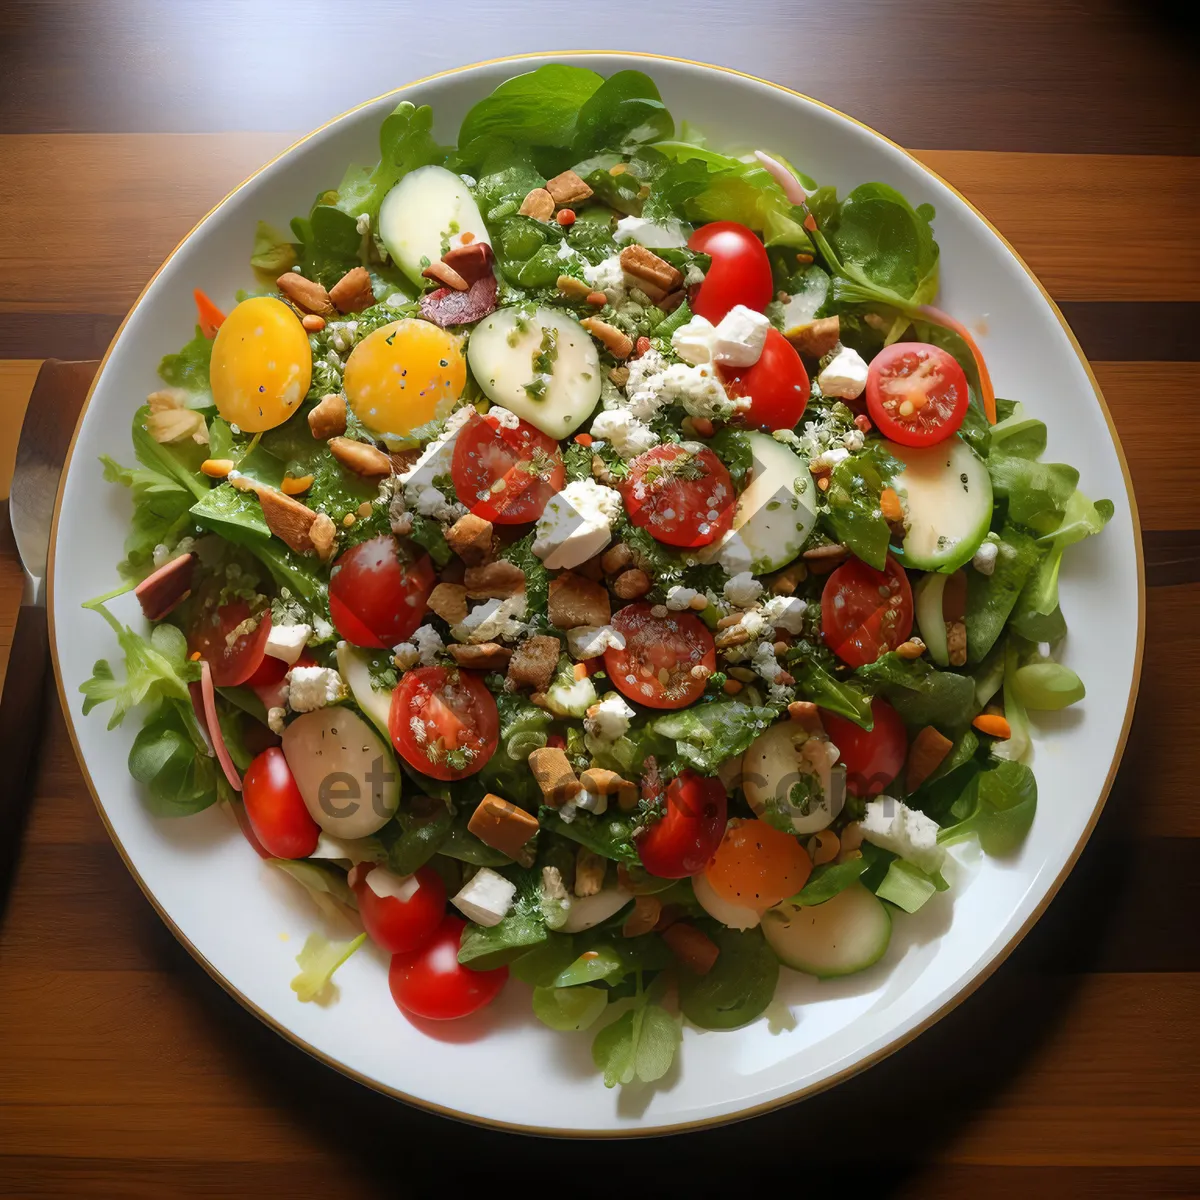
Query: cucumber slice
{"points": [[353, 668], [948, 494], [541, 365], [426, 209], [777, 512], [570, 697], [781, 758], [927, 603], [846, 934]]}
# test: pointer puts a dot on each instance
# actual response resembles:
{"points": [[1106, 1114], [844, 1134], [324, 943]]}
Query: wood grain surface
{"points": [[1075, 1071]]}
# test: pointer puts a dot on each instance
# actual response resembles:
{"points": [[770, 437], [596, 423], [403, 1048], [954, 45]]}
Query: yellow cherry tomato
{"points": [[403, 376], [757, 865], [261, 364]]}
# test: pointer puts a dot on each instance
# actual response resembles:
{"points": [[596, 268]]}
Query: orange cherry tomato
{"points": [[757, 865]]}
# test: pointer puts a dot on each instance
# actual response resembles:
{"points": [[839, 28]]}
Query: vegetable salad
{"points": [[588, 556]]}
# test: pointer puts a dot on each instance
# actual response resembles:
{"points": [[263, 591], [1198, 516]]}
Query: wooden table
{"points": [[124, 1070]]}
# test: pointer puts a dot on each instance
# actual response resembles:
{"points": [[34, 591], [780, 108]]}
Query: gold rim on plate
{"points": [[870, 1060]]}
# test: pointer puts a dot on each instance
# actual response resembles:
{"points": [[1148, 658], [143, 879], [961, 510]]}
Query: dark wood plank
{"points": [[1016, 74], [1129, 331]]}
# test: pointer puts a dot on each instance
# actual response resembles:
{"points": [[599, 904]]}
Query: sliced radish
{"points": [[214, 726]]}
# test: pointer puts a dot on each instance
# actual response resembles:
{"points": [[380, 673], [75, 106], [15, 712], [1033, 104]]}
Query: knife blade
{"points": [[50, 419]]}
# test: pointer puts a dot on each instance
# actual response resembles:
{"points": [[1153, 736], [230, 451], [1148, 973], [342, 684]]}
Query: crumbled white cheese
{"points": [[785, 612], [275, 718], [310, 688], [854, 440], [609, 719], [590, 641], [892, 825], [437, 457], [753, 623], [504, 418], [669, 235], [984, 559], [693, 342], [405, 655], [845, 375], [363, 224], [740, 336], [485, 898], [679, 597], [608, 277], [765, 662], [432, 503], [654, 383], [287, 642], [828, 459], [576, 524], [731, 552], [493, 621], [428, 644], [629, 437], [388, 885], [743, 590]]}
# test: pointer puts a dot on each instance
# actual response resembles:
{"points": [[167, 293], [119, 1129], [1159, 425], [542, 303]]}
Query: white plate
{"points": [[503, 1067]]}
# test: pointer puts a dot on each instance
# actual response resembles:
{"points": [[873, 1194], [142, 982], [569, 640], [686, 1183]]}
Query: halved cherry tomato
{"points": [[377, 593], [864, 612], [504, 475], [444, 723], [757, 865], [680, 493], [687, 836], [655, 667], [275, 808], [232, 663], [777, 385], [270, 671], [873, 758], [740, 272], [916, 393], [400, 924], [430, 982], [274, 694]]}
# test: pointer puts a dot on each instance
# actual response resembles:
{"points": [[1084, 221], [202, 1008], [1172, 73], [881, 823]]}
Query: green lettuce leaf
{"points": [[609, 835], [920, 693], [998, 807], [160, 515], [569, 1009], [827, 880], [318, 960], [170, 758], [815, 683], [853, 498], [483, 948], [708, 734], [740, 985], [624, 112], [188, 370], [640, 1044], [272, 254], [991, 598]]}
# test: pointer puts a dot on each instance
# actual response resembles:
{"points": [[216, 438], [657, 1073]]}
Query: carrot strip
{"points": [[210, 315], [994, 725], [927, 753], [985, 380], [694, 949]]}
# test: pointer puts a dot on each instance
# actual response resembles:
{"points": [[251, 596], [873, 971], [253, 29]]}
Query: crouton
{"points": [[496, 581], [534, 663], [502, 825], [449, 601], [577, 601], [470, 537]]}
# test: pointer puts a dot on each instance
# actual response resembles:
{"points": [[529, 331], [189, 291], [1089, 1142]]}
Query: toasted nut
{"points": [[359, 457], [823, 484], [295, 487], [328, 419], [646, 267], [926, 753], [502, 825], [486, 656], [305, 294], [786, 582], [472, 260], [744, 674], [403, 460], [697, 427], [822, 559], [365, 509], [956, 643], [619, 376], [352, 293], [911, 649], [446, 275], [851, 838], [618, 169], [698, 603], [731, 687], [470, 537], [618, 344], [323, 534], [738, 635], [729, 620], [629, 585], [575, 288], [312, 322], [538, 204], [289, 520], [598, 300], [890, 506], [823, 847], [616, 558], [567, 188], [646, 911], [805, 714], [781, 647], [216, 468], [349, 520], [164, 589], [591, 569], [552, 770], [449, 601], [589, 872], [816, 338], [495, 581]]}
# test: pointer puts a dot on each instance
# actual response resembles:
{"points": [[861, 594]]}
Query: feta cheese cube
{"points": [[405, 655], [577, 524], [669, 235], [485, 898], [629, 437], [590, 641], [845, 376], [275, 718], [786, 612], [287, 642], [609, 719], [387, 884], [311, 688], [693, 342], [892, 825], [739, 338], [743, 590]]}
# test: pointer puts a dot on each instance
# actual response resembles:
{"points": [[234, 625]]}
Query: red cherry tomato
{"points": [[269, 672], [432, 983], [777, 385], [444, 723], [233, 663], [687, 836], [916, 393], [376, 596], [503, 475], [864, 612], [276, 810], [680, 494], [740, 272], [655, 668], [273, 694], [873, 759], [397, 925]]}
